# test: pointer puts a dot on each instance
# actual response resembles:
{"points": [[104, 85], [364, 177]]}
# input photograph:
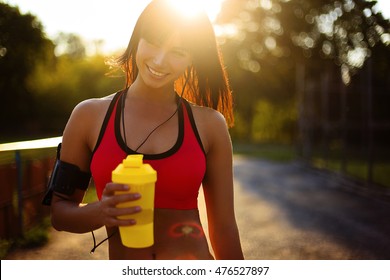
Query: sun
{"points": [[192, 7]]}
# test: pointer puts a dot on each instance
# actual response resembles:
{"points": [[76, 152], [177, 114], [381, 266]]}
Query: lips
{"points": [[156, 73]]}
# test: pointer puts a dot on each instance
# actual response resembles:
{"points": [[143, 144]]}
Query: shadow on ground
{"points": [[290, 211]]}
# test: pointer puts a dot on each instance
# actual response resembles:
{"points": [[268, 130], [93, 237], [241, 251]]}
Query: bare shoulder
{"points": [[90, 111], [208, 115], [93, 105], [83, 127], [211, 125]]}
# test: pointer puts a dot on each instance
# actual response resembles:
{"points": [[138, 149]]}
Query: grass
{"points": [[284, 153], [5, 246], [358, 169], [273, 152], [34, 237], [382, 174]]}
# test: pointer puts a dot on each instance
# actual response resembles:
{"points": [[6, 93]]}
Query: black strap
{"points": [[49, 190], [65, 178]]}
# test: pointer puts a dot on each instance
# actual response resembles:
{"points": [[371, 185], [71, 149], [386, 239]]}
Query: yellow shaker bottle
{"points": [[140, 178]]}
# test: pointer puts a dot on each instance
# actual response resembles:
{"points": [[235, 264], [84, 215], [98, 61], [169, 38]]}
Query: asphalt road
{"points": [[285, 211], [290, 211]]}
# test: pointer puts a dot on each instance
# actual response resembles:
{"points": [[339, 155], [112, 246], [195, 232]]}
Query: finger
{"points": [[114, 200], [111, 188], [115, 212], [114, 222], [119, 198], [120, 216]]}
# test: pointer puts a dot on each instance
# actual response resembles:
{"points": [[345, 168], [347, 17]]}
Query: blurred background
{"points": [[311, 78]]}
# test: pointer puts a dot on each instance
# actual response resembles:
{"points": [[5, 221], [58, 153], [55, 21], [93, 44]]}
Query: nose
{"points": [[159, 57]]}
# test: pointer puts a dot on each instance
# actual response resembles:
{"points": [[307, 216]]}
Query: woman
{"points": [[170, 59]]}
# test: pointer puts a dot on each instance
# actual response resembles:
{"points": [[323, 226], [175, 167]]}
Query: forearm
{"points": [[77, 218], [226, 243]]}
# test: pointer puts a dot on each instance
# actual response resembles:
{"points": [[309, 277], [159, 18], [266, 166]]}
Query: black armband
{"points": [[65, 179]]}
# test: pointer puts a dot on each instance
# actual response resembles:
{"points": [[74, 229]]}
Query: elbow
{"points": [[56, 221], [55, 225], [57, 216]]}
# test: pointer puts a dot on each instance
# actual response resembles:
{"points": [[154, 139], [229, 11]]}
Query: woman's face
{"points": [[160, 64]]}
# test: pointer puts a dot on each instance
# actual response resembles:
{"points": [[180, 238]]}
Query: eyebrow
{"points": [[180, 49]]}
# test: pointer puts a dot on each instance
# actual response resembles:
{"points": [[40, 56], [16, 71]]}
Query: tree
{"points": [[345, 32], [71, 45], [22, 45], [60, 87], [263, 41]]}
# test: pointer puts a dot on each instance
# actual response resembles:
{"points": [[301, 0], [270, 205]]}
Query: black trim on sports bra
{"points": [[107, 119], [193, 124], [168, 153]]}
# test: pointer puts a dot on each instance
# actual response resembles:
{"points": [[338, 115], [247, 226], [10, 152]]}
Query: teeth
{"points": [[154, 72]]}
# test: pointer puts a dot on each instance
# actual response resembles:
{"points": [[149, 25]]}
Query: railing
{"points": [[30, 145], [23, 182]]}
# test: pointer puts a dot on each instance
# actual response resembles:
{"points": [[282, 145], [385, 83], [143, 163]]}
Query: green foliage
{"points": [[358, 169], [71, 45], [36, 236], [264, 41], [272, 152], [5, 245], [381, 174], [62, 86], [22, 45], [40, 83], [274, 123]]}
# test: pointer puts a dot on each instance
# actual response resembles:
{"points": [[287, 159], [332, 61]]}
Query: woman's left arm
{"points": [[218, 190]]}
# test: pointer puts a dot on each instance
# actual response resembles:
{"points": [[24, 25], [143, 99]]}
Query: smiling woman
{"points": [[174, 110]]}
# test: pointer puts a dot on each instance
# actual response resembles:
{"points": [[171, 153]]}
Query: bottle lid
{"points": [[133, 171], [133, 161]]}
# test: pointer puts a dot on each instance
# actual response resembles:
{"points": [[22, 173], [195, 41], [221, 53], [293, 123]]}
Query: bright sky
{"points": [[111, 21]]}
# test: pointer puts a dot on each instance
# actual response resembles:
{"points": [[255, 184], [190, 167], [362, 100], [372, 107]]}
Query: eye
{"points": [[180, 52], [152, 42]]}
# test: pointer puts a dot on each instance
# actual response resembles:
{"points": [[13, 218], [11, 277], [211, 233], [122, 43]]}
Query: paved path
{"points": [[288, 211], [284, 211]]}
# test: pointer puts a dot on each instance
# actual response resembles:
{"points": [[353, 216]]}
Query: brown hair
{"points": [[205, 81]]}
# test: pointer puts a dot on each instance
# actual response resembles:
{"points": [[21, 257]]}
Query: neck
{"points": [[164, 95]]}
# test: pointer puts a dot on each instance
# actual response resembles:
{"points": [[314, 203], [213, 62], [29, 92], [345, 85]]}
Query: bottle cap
{"points": [[133, 161], [133, 171]]}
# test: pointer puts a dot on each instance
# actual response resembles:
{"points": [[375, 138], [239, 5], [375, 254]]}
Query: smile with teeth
{"points": [[156, 73]]}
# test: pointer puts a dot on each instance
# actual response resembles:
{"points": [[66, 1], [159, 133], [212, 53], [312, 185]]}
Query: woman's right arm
{"points": [[67, 211]]}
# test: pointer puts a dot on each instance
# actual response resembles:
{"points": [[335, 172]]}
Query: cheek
{"points": [[140, 55], [181, 64]]}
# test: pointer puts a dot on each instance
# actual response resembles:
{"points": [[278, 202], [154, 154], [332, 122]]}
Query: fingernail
{"points": [[126, 187], [137, 195]]}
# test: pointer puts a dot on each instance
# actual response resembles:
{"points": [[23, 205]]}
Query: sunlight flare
{"points": [[192, 8]]}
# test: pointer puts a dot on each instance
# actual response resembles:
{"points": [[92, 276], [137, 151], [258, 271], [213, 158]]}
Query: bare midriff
{"points": [[178, 234]]}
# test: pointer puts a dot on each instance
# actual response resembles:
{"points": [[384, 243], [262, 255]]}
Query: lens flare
{"points": [[192, 8], [187, 7]]}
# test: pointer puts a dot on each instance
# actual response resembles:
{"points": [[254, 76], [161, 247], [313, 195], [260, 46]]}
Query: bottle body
{"points": [[141, 179]]}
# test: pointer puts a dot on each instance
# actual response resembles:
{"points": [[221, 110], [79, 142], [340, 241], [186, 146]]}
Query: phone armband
{"points": [[65, 179]]}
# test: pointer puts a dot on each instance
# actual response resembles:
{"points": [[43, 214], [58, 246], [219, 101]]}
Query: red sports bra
{"points": [[180, 170]]}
